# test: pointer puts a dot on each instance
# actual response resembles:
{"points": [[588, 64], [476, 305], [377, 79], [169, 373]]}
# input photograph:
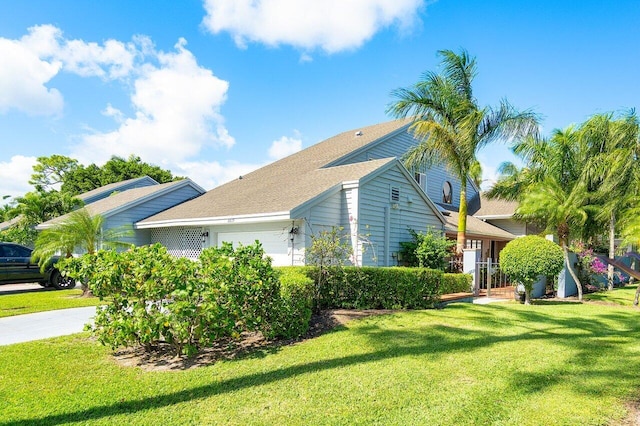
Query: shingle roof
{"points": [[9, 223], [116, 201], [476, 228], [287, 183], [259, 193], [495, 208], [110, 187]]}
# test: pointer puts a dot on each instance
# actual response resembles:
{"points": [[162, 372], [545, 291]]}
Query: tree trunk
{"points": [[612, 249], [527, 294], [462, 219], [567, 262]]}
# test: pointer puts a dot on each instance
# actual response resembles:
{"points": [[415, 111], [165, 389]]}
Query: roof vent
{"points": [[359, 133]]}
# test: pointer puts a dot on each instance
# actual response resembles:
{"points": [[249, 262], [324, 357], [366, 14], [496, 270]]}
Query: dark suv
{"points": [[16, 267]]}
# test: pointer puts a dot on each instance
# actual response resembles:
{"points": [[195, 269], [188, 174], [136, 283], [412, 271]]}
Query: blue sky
{"points": [[211, 89]]}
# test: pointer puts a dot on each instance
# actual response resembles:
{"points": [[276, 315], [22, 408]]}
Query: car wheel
{"points": [[60, 282]]}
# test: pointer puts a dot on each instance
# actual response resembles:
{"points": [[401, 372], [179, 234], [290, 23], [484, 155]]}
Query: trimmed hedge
{"points": [[456, 283], [375, 288], [296, 294]]}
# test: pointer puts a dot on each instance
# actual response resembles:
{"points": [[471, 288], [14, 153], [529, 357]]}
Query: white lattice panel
{"points": [[180, 241]]}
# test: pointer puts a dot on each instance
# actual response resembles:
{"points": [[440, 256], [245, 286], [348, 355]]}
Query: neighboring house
{"points": [[9, 223], [481, 235], [353, 180], [125, 203], [499, 214], [112, 188]]}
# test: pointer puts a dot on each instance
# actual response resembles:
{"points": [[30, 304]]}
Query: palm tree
{"points": [[612, 169], [550, 188], [80, 229], [450, 125]]}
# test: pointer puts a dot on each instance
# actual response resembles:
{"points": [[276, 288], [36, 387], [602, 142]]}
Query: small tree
{"points": [[525, 259], [329, 251]]}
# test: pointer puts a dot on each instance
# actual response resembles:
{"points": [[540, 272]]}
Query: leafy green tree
{"points": [[7, 210], [49, 172], [452, 127], [34, 208], [84, 179], [526, 259]]}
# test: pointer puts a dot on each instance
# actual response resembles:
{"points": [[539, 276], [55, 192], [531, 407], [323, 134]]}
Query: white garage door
{"points": [[275, 243]]}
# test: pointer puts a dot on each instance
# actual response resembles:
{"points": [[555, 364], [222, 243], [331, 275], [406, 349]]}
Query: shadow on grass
{"points": [[25, 291], [389, 342]]}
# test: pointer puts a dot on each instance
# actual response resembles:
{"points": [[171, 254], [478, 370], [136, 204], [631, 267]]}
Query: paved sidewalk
{"points": [[42, 325]]}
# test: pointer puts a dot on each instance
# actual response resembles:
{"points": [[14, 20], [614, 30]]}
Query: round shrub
{"points": [[525, 259]]}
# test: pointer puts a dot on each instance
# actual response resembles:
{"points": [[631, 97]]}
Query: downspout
{"points": [[387, 232]]}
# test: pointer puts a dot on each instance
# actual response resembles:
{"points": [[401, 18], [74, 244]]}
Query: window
{"points": [[473, 244], [421, 178], [395, 194], [446, 193]]}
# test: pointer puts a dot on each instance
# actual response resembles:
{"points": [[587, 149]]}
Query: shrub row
{"points": [[455, 283], [381, 288], [156, 298]]}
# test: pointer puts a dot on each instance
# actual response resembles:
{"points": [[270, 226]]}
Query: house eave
{"points": [[219, 220], [494, 216]]}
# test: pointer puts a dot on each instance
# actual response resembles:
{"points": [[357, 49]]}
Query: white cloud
{"points": [[176, 114], [285, 146], [489, 176], [30, 63], [15, 175], [331, 25], [23, 79]]}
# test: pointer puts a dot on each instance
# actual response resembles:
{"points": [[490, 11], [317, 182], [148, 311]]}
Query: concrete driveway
{"points": [[42, 325]]}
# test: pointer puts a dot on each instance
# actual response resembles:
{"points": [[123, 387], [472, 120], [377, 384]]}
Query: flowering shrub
{"points": [[589, 267]]}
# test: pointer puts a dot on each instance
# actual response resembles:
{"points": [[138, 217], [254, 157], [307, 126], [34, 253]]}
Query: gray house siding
{"points": [[129, 216], [510, 225], [327, 213], [385, 222], [437, 175]]}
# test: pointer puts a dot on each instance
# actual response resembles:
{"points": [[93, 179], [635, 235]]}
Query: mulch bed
{"points": [[163, 359]]}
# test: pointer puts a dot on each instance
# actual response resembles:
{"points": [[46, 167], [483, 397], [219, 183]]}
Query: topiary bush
{"points": [[525, 259]]}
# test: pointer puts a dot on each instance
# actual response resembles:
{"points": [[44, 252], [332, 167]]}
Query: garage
{"points": [[275, 243]]}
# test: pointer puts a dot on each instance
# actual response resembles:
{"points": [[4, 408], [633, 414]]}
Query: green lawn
{"points": [[25, 303], [620, 296], [504, 363]]}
